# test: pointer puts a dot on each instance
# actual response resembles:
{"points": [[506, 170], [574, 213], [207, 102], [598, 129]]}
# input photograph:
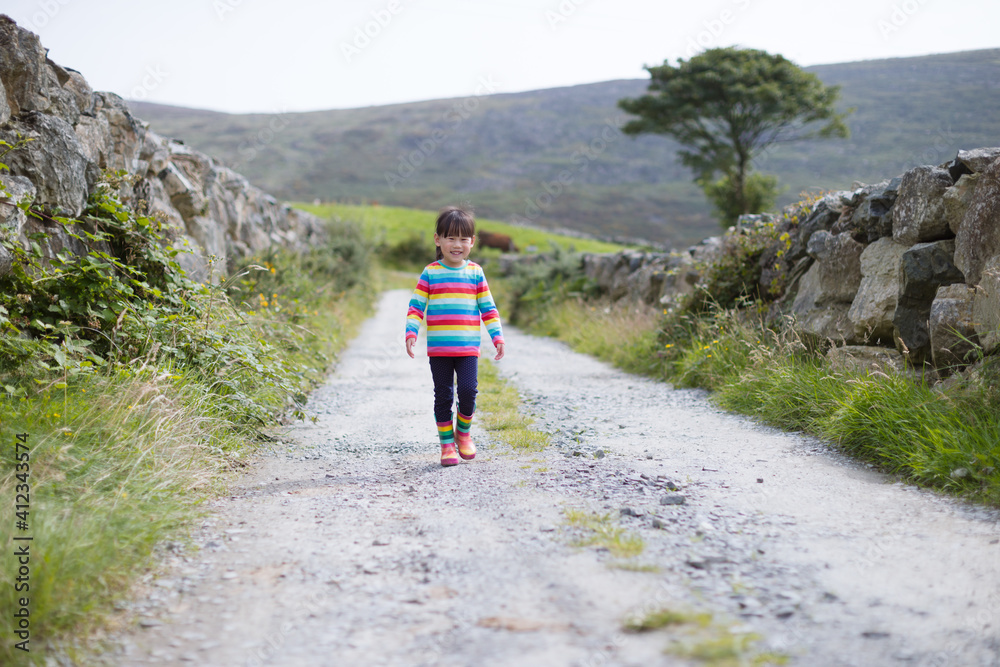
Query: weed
{"points": [[662, 618], [599, 530]]}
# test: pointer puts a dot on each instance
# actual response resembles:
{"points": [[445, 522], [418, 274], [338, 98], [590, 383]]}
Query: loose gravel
{"points": [[348, 544]]}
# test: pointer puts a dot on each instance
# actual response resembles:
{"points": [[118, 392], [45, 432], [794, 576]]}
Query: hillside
{"points": [[497, 152]]}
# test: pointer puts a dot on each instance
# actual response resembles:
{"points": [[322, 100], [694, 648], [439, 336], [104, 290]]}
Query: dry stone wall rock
{"points": [[827, 290], [76, 133], [874, 304], [923, 268], [978, 238], [918, 213], [912, 262], [986, 306], [952, 327]]}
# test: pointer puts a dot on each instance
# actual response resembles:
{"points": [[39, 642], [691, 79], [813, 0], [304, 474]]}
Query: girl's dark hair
{"points": [[454, 221]]}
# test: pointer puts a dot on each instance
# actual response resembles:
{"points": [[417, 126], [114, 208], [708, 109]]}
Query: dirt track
{"points": [[350, 545]]}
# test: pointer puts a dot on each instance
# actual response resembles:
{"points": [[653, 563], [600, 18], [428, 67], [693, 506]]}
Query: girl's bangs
{"points": [[456, 223]]}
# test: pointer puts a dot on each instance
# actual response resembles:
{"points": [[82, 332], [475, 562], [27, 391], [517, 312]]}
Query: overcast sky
{"points": [[302, 55]]}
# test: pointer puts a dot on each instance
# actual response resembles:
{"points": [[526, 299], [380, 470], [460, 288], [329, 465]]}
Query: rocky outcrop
{"points": [[67, 134]]}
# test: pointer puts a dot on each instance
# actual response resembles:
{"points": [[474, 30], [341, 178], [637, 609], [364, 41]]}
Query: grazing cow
{"points": [[498, 241]]}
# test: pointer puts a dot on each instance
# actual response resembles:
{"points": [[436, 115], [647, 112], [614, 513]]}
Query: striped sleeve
{"points": [[418, 305], [488, 309]]}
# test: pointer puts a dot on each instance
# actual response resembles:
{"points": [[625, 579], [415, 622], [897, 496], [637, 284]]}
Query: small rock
{"points": [[673, 499], [658, 524], [784, 612], [380, 543], [671, 486], [229, 575], [599, 454], [577, 452], [874, 634], [628, 511], [760, 480], [149, 623]]}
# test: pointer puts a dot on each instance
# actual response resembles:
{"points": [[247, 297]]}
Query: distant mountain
{"points": [[506, 153]]}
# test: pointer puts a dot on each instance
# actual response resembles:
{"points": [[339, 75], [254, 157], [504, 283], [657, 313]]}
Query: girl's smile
{"points": [[455, 249]]}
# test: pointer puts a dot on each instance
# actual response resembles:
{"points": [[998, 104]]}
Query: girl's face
{"points": [[455, 249]]}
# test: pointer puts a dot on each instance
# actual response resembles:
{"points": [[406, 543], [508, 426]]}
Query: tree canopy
{"points": [[726, 106]]}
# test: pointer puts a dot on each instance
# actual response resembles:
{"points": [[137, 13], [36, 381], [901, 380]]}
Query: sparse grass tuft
{"points": [[500, 412], [600, 530], [662, 618]]}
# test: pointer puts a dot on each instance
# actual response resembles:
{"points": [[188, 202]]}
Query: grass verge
{"points": [[501, 412], [944, 436], [126, 409]]}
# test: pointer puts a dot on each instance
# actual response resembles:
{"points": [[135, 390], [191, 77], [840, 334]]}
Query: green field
{"points": [[393, 223]]}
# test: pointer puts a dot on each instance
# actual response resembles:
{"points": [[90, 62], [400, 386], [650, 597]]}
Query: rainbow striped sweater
{"points": [[454, 301]]}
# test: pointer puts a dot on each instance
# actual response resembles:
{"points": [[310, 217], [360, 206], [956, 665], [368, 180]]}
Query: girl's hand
{"points": [[499, 356], [410, 342]]}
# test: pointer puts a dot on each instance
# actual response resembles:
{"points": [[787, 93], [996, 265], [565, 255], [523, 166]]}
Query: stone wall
{"points": [[907, 267], [75, 133]]}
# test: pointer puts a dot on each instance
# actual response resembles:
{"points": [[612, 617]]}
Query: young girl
{"points": [[454, 294]]}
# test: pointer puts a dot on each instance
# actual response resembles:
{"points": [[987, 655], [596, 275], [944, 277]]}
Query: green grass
{"points": [[944, 437], [661, 618], [697, 636], [501, 412], [125, 447], [601, 531], [392, 222]]}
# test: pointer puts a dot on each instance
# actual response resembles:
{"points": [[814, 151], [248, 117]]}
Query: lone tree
{"points": [[728, 105]]}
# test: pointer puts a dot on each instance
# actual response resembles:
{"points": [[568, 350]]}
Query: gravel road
{"points": [[348, 544]]}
